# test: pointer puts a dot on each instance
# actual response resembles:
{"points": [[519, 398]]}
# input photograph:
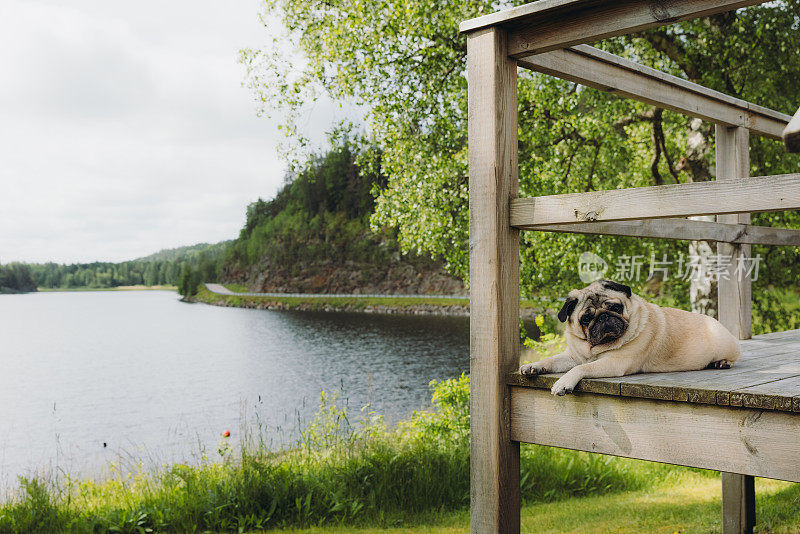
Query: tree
{"points": [[16, 277], [188, 282], [405, 61], [151, 274]]}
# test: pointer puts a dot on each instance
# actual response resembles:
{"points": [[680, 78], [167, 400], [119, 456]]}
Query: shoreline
{"points": [[117, 288], [389, 305]]}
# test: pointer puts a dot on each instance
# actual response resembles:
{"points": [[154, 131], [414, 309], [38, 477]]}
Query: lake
{"points": [[157, 380]]}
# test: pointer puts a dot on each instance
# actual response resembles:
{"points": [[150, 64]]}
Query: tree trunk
{"points": [[703, 285]]}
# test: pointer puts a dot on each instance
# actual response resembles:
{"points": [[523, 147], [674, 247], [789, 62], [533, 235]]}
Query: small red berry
{"points": [[226, 434]]}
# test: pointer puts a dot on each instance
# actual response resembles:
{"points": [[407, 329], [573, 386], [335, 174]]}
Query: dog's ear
{"points": [[614, 286], [567, 308]]}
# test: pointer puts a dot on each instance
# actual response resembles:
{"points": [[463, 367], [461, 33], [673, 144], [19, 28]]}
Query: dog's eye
{"points": [[616, 308], [586, 319]]}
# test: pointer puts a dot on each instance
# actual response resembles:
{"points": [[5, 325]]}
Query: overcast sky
{"points": [[124, 127]]}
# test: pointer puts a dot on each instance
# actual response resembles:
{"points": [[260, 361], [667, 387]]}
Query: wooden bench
{"points": [[743, 421]]}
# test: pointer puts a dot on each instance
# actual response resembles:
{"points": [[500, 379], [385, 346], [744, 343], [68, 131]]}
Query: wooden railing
{"points": [[549, 36]]}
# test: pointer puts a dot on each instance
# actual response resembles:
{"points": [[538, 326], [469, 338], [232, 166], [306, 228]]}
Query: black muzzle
{"points": [[606, 327]]}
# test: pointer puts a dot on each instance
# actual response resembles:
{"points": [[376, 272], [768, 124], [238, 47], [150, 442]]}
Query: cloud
{"points": [[125, 128]]}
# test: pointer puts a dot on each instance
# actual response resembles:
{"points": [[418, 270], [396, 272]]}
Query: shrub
{"points": [[188, 282]]}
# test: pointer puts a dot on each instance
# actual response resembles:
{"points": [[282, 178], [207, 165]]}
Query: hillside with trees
{"points": [[315, 235], [161, 268]]}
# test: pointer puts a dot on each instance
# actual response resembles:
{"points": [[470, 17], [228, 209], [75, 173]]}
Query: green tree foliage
{"points": [[188, 281], [320, 215], [161, 268], [16, 277], [405, 61]]}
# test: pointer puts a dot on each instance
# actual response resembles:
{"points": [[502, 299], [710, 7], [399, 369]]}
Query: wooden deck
{"points": [[767, 377], [743, 420]]}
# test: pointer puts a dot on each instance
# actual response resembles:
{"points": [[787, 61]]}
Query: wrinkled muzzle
{"points": [[606, 327]]}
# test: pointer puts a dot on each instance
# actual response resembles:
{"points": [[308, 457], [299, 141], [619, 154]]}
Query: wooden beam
{"points": [[734, 306], [766, 193], [609, 19], [552, 24], [742, 440], [733, 165], [494, 276], [685, 229], [591, 17], [791, 135], [526, 13], [601, 70]]}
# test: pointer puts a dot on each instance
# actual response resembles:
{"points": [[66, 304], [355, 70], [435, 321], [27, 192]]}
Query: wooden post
{"points": [[735, 312], [494, 280]]}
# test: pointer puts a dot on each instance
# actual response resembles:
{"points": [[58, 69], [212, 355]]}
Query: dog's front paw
{"points": [[532, 369], [562, 387]]}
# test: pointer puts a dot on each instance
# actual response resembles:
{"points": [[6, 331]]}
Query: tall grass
{"points": [[340, 472]]}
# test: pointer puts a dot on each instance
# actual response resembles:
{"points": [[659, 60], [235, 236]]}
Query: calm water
{"points": [[158, 380]]}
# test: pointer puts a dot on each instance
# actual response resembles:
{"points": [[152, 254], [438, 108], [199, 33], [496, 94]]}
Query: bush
{"points": [[188, 282]]}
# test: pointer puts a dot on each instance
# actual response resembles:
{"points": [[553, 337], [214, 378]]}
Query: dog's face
{"points": [[598, 313]]}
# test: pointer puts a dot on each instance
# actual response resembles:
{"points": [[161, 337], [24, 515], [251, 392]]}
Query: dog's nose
{"points": [[606, 327]]}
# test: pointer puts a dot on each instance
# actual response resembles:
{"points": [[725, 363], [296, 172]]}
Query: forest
{"points": [[161, 268], [321, 213]]}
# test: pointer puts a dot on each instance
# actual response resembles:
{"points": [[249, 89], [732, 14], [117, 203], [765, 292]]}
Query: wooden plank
{"points": [[774, 395], [733, 289], [767, 193], [726, 394], [787, 336], [494, 275], [525, 13], [763, 365], [791, 135], [752, 442], [608, 19], [703, 387], [552, 24], [686, 229], [595, 68], [605, 386]]}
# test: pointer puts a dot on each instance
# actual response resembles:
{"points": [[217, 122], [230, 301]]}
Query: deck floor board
{"points": [[766, 377]]}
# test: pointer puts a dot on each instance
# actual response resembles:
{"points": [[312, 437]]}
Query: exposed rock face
{"points": [[397, 277]]}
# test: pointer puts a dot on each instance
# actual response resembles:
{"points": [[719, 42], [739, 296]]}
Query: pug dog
{"points": [[612, 332]]}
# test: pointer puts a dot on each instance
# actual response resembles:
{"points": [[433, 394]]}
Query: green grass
{"points": [[238, 288], [321, 303], [338, 303], [687, 502]]}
